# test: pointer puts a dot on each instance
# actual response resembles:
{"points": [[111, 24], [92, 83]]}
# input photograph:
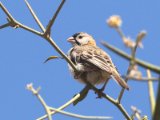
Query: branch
{"points": [[143, 79], [62, 107], [128, 57], [136, 113], [4, 25], [156, 115], [35, 92], [35, 16], [14, 23], [115, 102], [151, 92], [6, 12], [132, 62], [49, 39], [50, 110], [51, 22], [120, 32], [81, 116]]}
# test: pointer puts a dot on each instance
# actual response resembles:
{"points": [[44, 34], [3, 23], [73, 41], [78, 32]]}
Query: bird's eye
{"points": [[80, 37]]}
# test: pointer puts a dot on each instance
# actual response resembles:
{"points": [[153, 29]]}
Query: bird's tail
{"points": [[119, 80]]}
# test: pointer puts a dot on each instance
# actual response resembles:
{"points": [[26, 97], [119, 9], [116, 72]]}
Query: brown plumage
{"points": [[93, 64]]}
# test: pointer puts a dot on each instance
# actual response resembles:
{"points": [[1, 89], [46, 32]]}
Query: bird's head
{"points": [[81, 39]]}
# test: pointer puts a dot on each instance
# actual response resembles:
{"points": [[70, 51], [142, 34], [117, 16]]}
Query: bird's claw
{"points": [[99, 93]]}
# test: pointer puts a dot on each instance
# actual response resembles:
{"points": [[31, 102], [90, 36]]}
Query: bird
{"points": [[92, 63]]}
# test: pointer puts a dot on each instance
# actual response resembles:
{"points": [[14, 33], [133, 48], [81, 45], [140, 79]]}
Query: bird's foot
{"points": [[99, 93]]}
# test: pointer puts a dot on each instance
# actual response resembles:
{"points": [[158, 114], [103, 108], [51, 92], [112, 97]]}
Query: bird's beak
{"points": [[71, 39]]}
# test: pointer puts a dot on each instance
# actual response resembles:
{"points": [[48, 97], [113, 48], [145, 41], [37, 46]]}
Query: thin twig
{"points": [[4, 25], [142, 79], [156, 115], [14, 23], [49, 109], [49, 39], [35, 16], [132, 62], [141, 63], [29, 29], [136, 113], [115, 102], [81, 116], [51, 22], [151, 92], [62, 107], [119, 30], [35, 92], [6, 12]]}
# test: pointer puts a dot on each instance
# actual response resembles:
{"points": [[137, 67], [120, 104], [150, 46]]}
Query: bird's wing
{"points": [[97, 57]]}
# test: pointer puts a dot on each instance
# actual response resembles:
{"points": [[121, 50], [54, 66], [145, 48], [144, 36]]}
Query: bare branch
{"points": [[151, 92], [120, 32], [4, 25], [132, 62], [128, 57], [81, 116], [115, 102], [136, 113], [15, 23], [140, 36], [35, 92], [35, 16], [62, 107], [51, 22], [29, 29], [142, 79], [157, 107], [6, 12], [49, 39], [50, 111]]}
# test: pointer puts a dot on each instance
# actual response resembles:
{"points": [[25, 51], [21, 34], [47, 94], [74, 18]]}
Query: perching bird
{"points": [[93, 64]]}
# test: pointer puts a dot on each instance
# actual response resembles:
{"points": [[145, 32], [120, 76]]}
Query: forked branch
{"points": [[132, 62], [51, 22]]}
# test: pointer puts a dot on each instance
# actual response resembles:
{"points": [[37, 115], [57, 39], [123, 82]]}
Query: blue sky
{"points": [[23, 53]]}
